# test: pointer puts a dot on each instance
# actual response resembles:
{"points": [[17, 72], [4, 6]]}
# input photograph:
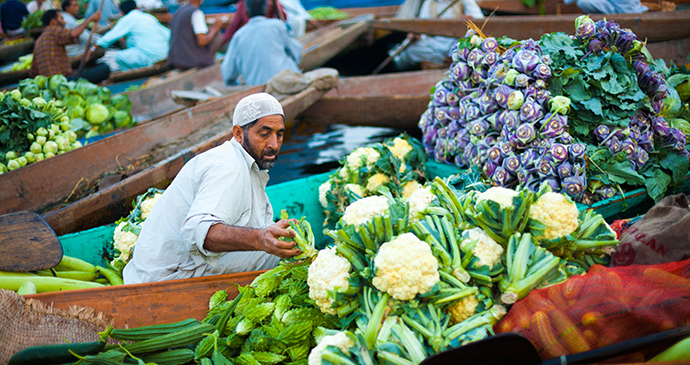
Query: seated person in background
{"points": [[148, 41], [190, 39], [109, 10], [260, 49], [434, 49], [50, 56], [215, 217], [36, 5], [12, 13], [609, 6], [70, 9], [274, 10], [297, 17]]}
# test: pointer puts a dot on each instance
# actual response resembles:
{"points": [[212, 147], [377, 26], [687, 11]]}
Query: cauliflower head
{"points": [[557, 212], [147, 205], [323, 190], [419, 200], [400, 147], [360, 155], [375, 181], [410, 187], [327, 272], [463, 309], [502, 196], [339, 340], [357, 189], [486, 250], [124, 241], [405, 267], [365, 209]]}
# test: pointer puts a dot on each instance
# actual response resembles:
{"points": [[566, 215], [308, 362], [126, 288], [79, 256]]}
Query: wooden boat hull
{"points": [[516, 7], [16, 50], [153, 70], [319, 46], [654, 27], [393, 100]]}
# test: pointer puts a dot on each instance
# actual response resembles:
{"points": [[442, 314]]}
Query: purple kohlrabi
{"points": [[565, 169], [452, 99], [461, 54], [478, 76], [442, 115], [540, 84], [542, 71], [479, 127], [489, 44], [586, 31], [522, 80], [660, 127], [602, 132], [577, 151], [546, 59], [493, 121], [531, 45], [475, 58], [605, 192], [460, 71], [529, 158], [487, 104], [489, 168], [624, 41], [554, 126], [511, 119], [531, 111], [629, 147], [559, 152], [546, 168], [566, 138], [646, 141], [494, 155], [454, 113], [465, 87], [525, 134], [640, 157], [574, 186], [440, 94], [440, 150], [472, 112], [525, 61], [581, 22], [614, 145], [462, 138], [595, 46], [512, 164], [505, 149], [503, 177], [490, 58]]}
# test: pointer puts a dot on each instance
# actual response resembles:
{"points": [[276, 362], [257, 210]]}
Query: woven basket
{"points": [[25, 323]]}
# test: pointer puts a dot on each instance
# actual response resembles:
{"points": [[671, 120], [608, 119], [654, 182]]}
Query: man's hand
{"points": [[218, 24], [273, 245], [95, 17], [413, 37]]}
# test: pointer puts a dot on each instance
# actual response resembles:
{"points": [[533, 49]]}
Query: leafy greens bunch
{"points": [[410, 277], [397, 164], [617, 110], [31, 130], [92, 109]]}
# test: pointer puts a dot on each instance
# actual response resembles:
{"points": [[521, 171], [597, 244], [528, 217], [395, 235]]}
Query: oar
{"points": [[514, 349], [27, 243], [404, 45], [88, 44]]}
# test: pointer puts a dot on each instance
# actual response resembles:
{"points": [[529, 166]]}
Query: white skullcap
{"points": [[255, 106]]}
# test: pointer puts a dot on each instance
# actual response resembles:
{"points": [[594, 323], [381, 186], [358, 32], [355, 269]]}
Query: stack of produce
{"points": [[397, 164], [584, 114], [128, 228], [32, 130], [24, 63], [33, 20], [327, 13], [91, 109], [71, 273]]}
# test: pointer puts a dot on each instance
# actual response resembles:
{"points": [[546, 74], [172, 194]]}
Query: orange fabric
{"points": [[50, 56], [604, 307]]}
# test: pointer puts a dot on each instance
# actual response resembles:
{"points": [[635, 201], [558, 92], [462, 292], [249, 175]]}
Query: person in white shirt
{"points": [[609, 6], [215, 217], [297, 17], [434, 48], [70, 10], [37, 5]]}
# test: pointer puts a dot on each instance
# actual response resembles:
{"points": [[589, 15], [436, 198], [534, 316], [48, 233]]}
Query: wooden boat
{"points": [[319, 46], [654, 27], [13, 77], [515, 7], [392, 100], [11, 52], [138, 73]]}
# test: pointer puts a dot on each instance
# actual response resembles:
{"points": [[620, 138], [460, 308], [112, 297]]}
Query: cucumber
{"points": [[55, 354]]}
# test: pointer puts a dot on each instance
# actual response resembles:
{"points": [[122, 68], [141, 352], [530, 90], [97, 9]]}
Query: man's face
{"points": [[263, 140], [73, 8], [58, 19]]}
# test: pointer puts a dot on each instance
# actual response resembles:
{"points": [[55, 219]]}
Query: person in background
{"points": [[609, 6], [192, 44], [297, 17], [50, 56], [274, 10], [109, 10], [434, 49], [148, 41], [12, 13], [70, 10], [215, 217], [260, 49], [36, 5]]}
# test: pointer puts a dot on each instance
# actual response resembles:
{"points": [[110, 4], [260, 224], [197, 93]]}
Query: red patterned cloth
{"points": [[50, 56]]}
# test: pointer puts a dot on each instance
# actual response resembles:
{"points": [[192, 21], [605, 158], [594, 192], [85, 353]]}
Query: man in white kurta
{"points": [[70, 10], [218, 195]]}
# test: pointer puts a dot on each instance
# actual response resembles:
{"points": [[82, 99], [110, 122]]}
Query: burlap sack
{"points": [[288, 82], [25, 323], [662, 235]]}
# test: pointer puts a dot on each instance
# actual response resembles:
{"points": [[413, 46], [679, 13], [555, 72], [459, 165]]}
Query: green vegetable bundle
{"points": [[24, 63], [33, 20], [327, 13], [397, 164], [92, 110], [31, 130]]}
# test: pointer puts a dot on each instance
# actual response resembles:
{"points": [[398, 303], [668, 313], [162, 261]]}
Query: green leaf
{"points": [[593, 105], [623, 173], [677, 164], [657, 184]]}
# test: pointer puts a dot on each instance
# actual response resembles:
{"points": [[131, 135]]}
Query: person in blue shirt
{"points": [[109, 10], [12, 13], [148, 41], [260, 49], [609, 6]]}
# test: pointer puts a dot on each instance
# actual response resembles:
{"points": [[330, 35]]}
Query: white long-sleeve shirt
{"points": [[222, 185], [143, 31], [259, 50], [79, 47]]}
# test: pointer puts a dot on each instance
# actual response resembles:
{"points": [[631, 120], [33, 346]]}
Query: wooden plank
{"points": [[675, 50], [377, 11], [654, 27], [516, 7], [150, 303], [44, 184], [393, 101], [315, 55], [109, 204], [157, 69]]}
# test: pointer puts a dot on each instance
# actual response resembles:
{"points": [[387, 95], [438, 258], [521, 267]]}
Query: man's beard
{"points": [[258, 156]]}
